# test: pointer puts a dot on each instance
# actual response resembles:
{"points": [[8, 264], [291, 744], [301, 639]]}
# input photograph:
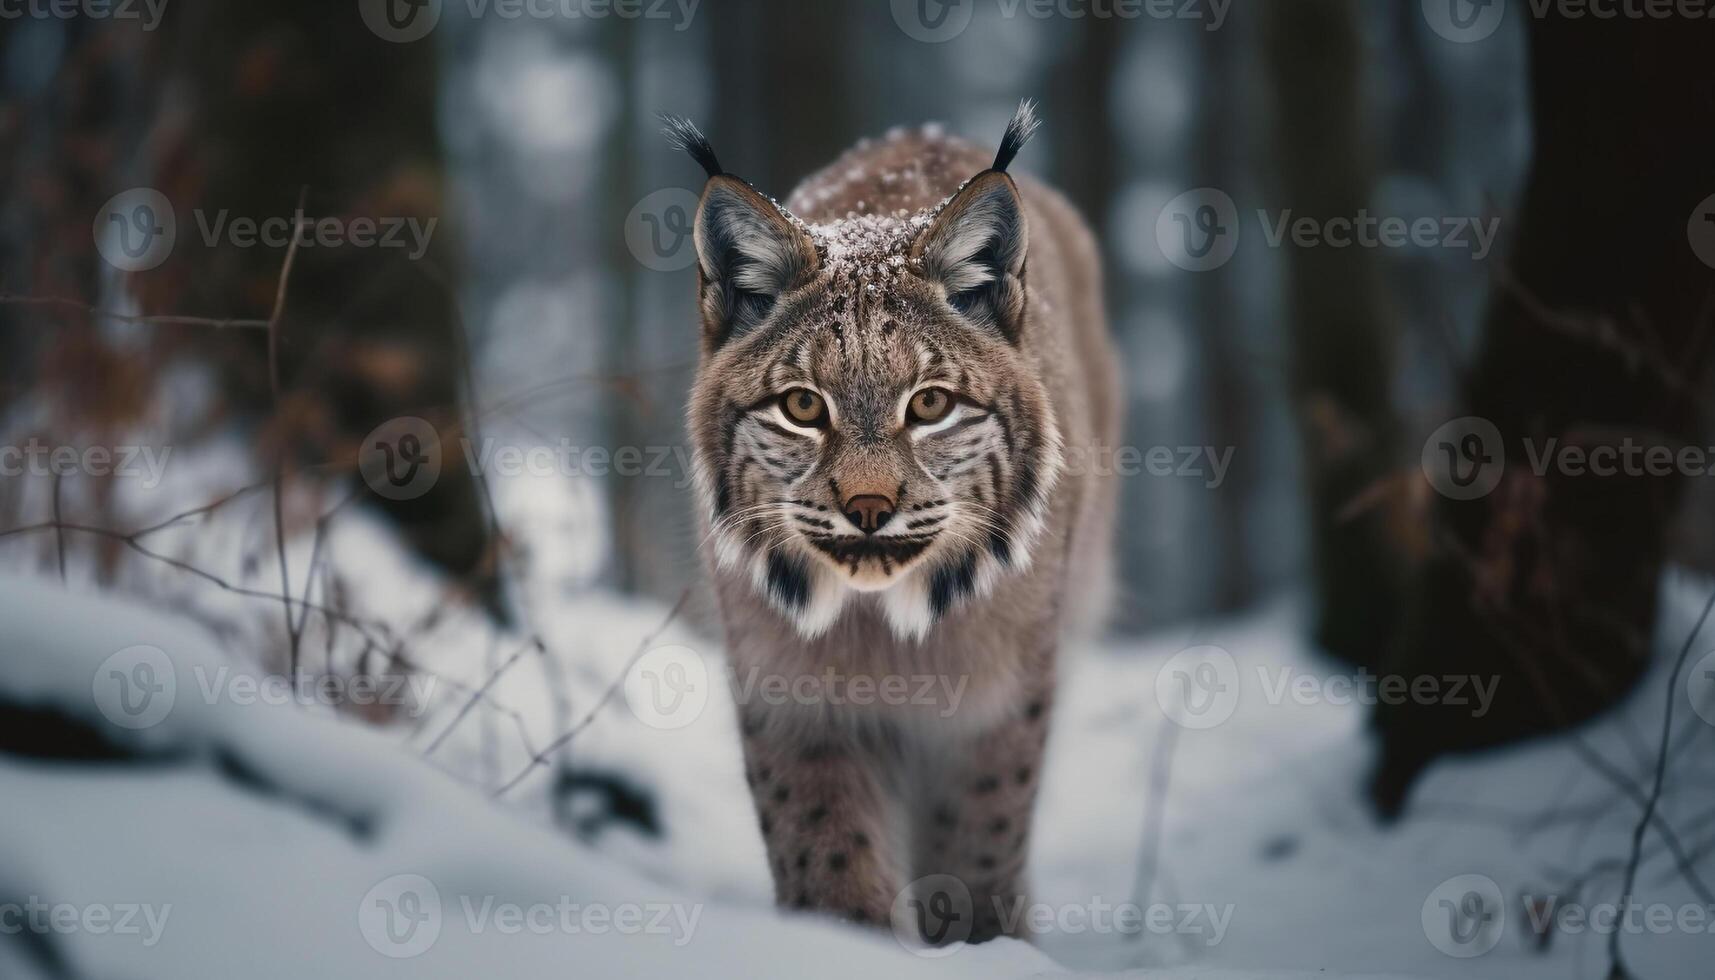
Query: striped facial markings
{"points": [[909, 409]]}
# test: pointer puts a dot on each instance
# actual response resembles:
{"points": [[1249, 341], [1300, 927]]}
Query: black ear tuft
{"points": [[1018, 132], [685, 135]]}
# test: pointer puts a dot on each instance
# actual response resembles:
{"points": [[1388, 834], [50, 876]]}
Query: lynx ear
{"points": [[748, 251], [748, 254], [975, 251]]}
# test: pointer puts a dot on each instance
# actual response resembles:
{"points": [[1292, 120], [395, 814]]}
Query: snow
{"points": [[272, 836]]}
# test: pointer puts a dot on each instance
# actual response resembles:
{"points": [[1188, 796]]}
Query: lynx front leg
{"points": [[974, 822], [827, 818]]}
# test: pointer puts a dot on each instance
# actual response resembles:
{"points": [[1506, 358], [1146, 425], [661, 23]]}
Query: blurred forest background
{"points": [[553, 302]]}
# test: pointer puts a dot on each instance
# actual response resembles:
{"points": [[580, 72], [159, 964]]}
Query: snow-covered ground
{"points": [[240, 837]]}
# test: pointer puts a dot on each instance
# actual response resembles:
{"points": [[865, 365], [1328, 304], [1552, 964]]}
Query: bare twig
{"points": [[481, 693], [1614, 954], [292, 633], [59, 532], [11, 299], [541, 758], [1161, 777]]}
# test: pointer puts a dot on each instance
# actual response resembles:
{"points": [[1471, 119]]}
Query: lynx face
{"points": [[865, 420]]}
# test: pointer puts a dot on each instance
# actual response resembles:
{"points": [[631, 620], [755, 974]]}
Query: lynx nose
{"points": [[869, 512]]}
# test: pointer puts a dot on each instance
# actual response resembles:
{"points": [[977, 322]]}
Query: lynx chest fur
{"points": [[902, 370]]}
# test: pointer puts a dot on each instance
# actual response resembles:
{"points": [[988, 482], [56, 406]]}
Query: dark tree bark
{"points": [[1341, 362], [1080, 96], [1597, 331], [783, 77], [281, 99], [1228, 394]]}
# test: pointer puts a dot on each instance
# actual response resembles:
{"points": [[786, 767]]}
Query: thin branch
{"points": [[1619, 969], [541, 758], [292, 632], [12, 299], [481, 693], [59, 532], [1161, 777]]}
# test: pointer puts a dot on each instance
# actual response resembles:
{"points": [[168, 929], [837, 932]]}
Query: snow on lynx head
{"points": [[863, 417]]}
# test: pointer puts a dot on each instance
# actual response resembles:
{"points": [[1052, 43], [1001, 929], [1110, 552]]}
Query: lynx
{"points": [[895, 368]]}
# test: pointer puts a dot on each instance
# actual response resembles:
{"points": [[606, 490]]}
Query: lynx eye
{"points": [[804, 407], [928, 405]]}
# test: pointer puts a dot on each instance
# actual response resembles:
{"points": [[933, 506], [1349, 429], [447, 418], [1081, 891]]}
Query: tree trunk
{"points": [[1341, 362], [1597, 332], [283, 99]]}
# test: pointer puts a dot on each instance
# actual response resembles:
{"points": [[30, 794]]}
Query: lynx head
{"points": [[867, 414]]}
